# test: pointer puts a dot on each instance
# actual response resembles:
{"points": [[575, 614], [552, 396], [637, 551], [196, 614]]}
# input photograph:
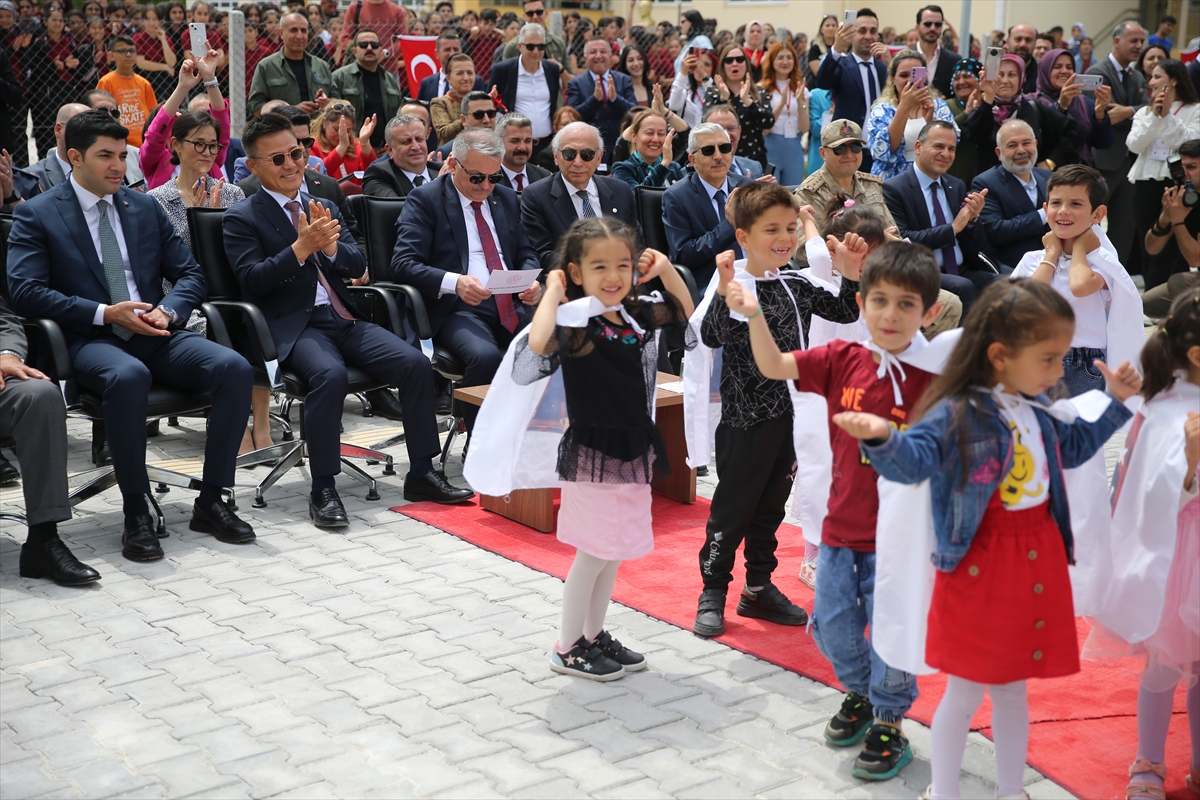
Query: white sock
{"points": [[577, 597], [597, 609], [951, 724]]}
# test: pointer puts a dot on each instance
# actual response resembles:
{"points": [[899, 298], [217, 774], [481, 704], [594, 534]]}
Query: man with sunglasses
{"points": [[291, 256], [550, 207], [530, 84], [556, 48], [453, 233], [694, 208], [939, 61], [477, 110], [601, 95], [364, 85], [438, 84]]}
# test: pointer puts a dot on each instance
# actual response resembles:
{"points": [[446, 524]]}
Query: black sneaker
{"points": [[586, 660], [885, 752], [772, 605], [851, 722], [631, 661], [710, 615]]}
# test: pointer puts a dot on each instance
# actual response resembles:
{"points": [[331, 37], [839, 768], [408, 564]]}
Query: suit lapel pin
{"points": [[126, 202], [614, 211]]}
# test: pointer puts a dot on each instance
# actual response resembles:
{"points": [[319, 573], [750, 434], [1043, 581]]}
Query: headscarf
{"points": [[1073, 42], [1004, 108], [1078, 109], [971, 65]]}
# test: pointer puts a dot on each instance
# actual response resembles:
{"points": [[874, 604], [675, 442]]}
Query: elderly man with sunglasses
{"points": [[530, 84], [291, 254], [453, 234], [365, 86], [549, 207]]}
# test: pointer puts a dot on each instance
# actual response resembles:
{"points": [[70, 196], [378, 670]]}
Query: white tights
{"points": [[952, 723], [586, 594]]}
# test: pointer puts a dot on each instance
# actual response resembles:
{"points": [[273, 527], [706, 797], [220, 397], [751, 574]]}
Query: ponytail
{"points": [[1167, 348]]}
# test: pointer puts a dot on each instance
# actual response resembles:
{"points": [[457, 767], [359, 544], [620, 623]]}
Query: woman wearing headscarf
{"points": [[1078, 34], [963, 99], [1059, 137], [1058, 88]]}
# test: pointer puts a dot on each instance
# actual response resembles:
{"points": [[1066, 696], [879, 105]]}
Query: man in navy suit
{"points": [[549, 207], [694, 208], [452, 234], [600, 95], [92, 255], [856, 71], [1013, 220], [934, 209], [291, 254], [529, 84], [437, 84]]}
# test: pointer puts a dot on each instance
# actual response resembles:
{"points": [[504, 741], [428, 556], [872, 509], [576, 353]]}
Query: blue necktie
{"points": [[949, 262]]}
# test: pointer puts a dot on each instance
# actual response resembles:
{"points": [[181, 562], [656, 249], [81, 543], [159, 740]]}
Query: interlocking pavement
{"points": [[389, 660]]}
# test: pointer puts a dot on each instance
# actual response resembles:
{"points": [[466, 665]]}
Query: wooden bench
{"points": [[535, 507]]}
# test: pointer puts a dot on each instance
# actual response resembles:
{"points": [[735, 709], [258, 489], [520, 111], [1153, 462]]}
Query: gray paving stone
{"points": [[429, 773], [613, 740], [752, 773], [110, 779], [536, 741], [635, 713], [560, 713], [591, 771], [70, 749], [670, 771], [267, 773], [643, 788], [459, 742], [228, 744], [708, 714], [268, 717], [551, 790], [191, 718], [440, 689], [470, 791], [690, 742], [721, 788], [372, 690], [27, 778], [36, 722], [350, 773]]}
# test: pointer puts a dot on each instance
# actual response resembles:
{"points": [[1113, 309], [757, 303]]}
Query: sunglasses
{"points": [[307, 142], [931, 24], [477, 178], [479, 115], [115, 113], [855, 147], [533, 47], [296, 155], [726, 148], [541, 12], [735, 59], [370, 45], [212, 148], [341, 108], [569, 154]]}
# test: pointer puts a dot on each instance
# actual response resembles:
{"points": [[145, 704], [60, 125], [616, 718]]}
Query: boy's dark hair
{"points": [[838, 219], [84, 129], [296, 115], [584, 231], [489, 15], [122, 39], [260, 126], [1166, 349], [1168, 18], [909, 266], [1080, 175], [1190, 148], [750, 201], [186, 124]]}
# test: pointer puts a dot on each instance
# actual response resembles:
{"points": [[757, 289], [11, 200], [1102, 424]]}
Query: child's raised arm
{"points": [[1084, 280], [808, 218], [862, 425], [1044, 273], [541, 329], [654, 264], [771, 362]]}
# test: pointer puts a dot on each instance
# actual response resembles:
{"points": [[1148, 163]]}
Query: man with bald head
{"points": [[55, 168], [1021, 40], [1013, 220], [293, 75]]}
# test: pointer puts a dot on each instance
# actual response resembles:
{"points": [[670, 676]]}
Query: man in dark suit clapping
{"points": [[406, 166], [291, 254], [600, 95]]}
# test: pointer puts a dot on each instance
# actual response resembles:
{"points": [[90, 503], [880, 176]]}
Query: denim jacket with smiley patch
{"points": [[930, 450]]}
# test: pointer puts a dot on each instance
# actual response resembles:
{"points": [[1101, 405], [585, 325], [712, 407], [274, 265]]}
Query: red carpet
{"points": [[1085, 727]]}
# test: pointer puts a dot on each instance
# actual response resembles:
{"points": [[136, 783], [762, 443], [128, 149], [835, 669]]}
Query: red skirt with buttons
{"points": [[1005, 613]]}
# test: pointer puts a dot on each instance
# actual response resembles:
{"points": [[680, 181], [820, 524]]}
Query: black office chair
{"points": [[377, 217], [208, 241], [649, 202]]}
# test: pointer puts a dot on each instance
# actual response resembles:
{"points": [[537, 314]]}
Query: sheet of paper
{"points": [[674, 386], [511, 281]]}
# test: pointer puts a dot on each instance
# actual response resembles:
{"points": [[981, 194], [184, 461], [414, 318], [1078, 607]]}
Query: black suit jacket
{"points": [[547, 211], [944, 77], [693, 230], [258, 242], [504, 78], [429, 87], [906, 202], [533, 174], [1011, 224], [385, 179], [320, 186], [842, 77], [432, 240]]}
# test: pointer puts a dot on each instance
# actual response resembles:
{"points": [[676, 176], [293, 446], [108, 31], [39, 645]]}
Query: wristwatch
{"points": [[12, 353], [170, 312], [12, 198]]}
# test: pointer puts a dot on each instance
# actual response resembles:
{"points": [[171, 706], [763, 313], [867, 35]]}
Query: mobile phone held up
{"points": [[991, 63], [917, 78], [1090, 83], [199, 39], [849, 17]]}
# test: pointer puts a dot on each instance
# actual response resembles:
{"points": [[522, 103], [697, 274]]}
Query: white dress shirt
{"points": [[593, 197], [65, 166], [926, 181], [322, 297], [512, 177], [476, 263], [91, 217], [870, 78], [533, 99], [412, 176]]}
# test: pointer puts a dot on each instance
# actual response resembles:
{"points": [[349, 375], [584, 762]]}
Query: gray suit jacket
{"points": [[1117, 156], [49, 172]]}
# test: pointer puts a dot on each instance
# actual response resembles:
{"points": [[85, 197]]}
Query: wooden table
{"points": [[535, 507]]}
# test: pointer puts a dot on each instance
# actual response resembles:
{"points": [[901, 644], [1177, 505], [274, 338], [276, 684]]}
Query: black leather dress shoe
{"points": [[8, 473], [100, 455], [51, 559], [384, 403], [221, 522], [434, 486], [445, 400], [326, 509], [140, 540]]}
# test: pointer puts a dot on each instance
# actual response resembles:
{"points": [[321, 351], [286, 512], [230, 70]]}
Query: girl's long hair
{"points": [[795, 79], [1166, 349]]}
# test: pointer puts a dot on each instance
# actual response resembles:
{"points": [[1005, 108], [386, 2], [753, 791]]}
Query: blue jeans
{"points": [[1079, 373], [845, 599]]}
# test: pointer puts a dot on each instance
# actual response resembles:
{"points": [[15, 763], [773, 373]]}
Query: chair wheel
{"points": [[388, 469], [161, 488], [373, 494], [161, 531], [259, 502]]}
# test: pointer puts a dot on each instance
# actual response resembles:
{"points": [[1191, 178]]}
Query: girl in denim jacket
{"points": [[994, 454]]}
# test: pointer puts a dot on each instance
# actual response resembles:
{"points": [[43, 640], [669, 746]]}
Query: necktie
{"points": [[339, 308], [588, 211], [719, 198], [949, 262], [871, 92], [1125, 85], [520, 176], [114, 267], [419, 180], [491, 256]]}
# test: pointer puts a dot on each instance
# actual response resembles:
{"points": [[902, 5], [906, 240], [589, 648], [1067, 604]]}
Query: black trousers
{"points": [[1147, 199], [474, 334], [121, 373], [321, 354], [756, 466]]}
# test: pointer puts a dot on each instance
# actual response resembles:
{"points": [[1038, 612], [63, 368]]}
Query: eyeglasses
{"points": [[931, 24], [540, 12], [477, 178], [296, 155], [480, 114], [370, 45], [212, 148], [124, 51], [569, 153], [532, 47], [855, 147], [725, 147], [735, 59], [307, 142]]}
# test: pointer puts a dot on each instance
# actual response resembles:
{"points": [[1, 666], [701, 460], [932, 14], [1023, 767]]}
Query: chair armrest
{"points": [[49, 331], [395, 323], [217, 330], [988, 263], [417, 302], [258, 322], [690, 280]]}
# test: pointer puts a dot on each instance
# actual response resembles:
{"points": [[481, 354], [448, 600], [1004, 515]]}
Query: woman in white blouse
{"points": [[687, 90], [1170, 119], [783, 79]]}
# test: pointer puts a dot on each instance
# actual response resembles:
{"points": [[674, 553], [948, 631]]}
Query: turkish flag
{"points": [[1188, 56], [420, 59]]}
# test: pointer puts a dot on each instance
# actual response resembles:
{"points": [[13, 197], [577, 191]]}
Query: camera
{"points": [[1190, 196]]}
